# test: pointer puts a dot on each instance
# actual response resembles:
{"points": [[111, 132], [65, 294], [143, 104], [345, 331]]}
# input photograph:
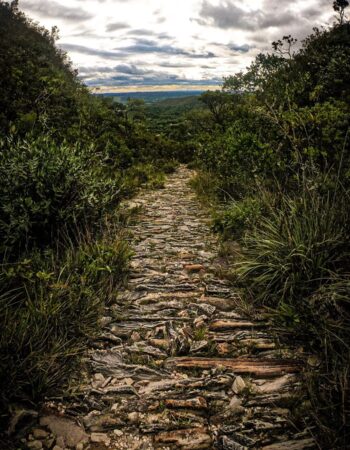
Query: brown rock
{"points": [[100, 438], [228, 324], [190, 403], [255, 366], [194, 267], [238, 385], [35, 445], [39, 433], [164, 344], [192, 438]]}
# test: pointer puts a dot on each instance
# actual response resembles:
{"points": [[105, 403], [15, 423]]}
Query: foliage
{"points": [[238, 217], [277, 176], [50, 306], [46, 188], [67, 159]]}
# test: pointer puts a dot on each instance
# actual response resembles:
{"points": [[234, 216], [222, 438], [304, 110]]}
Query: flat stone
{"points": [[190, 403], [100, 438], [218, 325], [254, 366], [65, 428], [291, 445], [238, 385], [39, 433], [35, 445], [275, 385], [191, 438]]}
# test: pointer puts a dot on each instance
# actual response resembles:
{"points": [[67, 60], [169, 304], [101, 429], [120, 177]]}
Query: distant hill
{"points": [[153, 97]]}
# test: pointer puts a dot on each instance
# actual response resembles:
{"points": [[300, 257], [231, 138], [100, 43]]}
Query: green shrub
{"points": [[237, 218], [45, 188]]}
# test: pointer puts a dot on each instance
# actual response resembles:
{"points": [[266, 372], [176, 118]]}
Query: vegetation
{"points": [[67, 159], [272, 149], [273, 159]]}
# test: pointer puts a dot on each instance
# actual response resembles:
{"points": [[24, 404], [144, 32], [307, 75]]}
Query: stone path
{"points": [[177, 367]]}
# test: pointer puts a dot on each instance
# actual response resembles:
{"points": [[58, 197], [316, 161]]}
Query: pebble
{"points": [[39, 433], [133, 417]]}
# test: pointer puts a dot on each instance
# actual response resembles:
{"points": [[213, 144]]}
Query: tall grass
{"points": [[50, 305], [296, 262], [296, 248]]}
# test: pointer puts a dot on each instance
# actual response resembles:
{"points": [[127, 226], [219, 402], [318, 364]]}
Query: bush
{"points": [[237, 218], [45, 188], [235, 158]]}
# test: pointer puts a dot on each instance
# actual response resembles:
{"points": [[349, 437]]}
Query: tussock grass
{"points": [[50, 305]]}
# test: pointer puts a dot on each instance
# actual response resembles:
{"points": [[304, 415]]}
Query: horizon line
{"points": [[153, 88]]}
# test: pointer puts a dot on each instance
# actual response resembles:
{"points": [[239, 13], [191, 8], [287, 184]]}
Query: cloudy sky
{"points": [[118, 44]]}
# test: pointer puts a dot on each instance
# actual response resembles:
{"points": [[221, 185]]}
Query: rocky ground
{"points": [[177, 367]]}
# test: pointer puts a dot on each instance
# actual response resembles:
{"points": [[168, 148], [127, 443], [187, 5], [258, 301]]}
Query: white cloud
{"points": [[121, 42]]}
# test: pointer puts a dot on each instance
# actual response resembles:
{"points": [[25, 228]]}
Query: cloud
{"points": [[146, 32], [89, 51], [114, 26], [143, 46], [130, 74], [273, 14], [239, 48], [225, 15], [52, 9]]}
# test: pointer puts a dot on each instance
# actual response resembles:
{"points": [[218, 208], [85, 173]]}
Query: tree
{"points": [[339, 6]]}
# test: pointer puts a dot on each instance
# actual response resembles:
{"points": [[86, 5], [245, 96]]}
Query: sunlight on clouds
{"points": [[171, 42]]}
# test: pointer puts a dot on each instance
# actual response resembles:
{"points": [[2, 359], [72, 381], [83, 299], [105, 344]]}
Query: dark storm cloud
{"points": [[52, 9], [225, 15], [175, 65], [150, 80], [114, 26]]}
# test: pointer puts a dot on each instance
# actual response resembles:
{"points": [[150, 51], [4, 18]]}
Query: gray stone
{"points": [[65, 429], [100, 438]]}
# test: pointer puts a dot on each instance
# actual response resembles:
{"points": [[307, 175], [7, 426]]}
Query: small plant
{"points": [[238, 217]]}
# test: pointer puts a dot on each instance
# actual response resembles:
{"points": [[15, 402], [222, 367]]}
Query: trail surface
{"points": [[177, 367]]}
